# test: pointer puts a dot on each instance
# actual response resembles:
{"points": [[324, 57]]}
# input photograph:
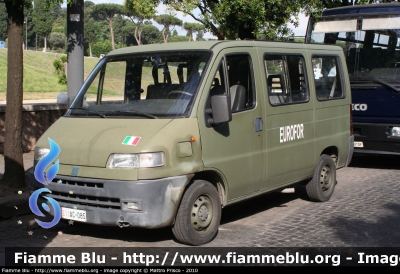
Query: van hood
{"points": [[90, 141]]}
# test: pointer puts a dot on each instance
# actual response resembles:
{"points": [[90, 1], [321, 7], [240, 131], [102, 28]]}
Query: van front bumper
{"points": [[374, 138], [143, 203]]}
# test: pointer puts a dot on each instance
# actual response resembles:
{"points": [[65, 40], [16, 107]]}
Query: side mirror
{"points": [[220, 109]]}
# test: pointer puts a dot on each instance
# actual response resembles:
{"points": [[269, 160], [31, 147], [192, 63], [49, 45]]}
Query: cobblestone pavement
{"points": [[364, 211]]}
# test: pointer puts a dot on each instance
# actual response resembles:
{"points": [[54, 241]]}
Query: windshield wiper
{"points": [[91, 110], [139, 113], [386, 84]]}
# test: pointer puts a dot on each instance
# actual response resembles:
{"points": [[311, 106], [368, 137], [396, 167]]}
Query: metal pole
{"points": [[75, 50]]}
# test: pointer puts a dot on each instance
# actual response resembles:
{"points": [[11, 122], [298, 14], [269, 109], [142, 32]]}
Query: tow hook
{"points": [[123, 224]]}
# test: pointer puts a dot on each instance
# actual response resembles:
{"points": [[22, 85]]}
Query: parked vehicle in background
{"points": [[370, 38], [168, 134], [2, 44]]}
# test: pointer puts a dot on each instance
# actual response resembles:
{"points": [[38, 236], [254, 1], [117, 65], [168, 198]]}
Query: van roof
{"points": [[217, 44]]}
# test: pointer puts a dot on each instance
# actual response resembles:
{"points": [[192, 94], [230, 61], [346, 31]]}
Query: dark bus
{"points": [[370, 38]]}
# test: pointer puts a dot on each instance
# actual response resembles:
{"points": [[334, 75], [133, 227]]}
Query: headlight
{"points": [[395, 131], [136, 160], [39, 154]]}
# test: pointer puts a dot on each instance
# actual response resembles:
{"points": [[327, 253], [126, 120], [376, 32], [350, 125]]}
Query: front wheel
{"points": [[199, 214], [322, 185]]}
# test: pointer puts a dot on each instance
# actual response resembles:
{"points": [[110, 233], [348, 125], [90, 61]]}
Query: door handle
{"points": [[258, 124]]}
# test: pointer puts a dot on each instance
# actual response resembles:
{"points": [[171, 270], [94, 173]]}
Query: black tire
{"points": [[322, 185], [199, 214]]}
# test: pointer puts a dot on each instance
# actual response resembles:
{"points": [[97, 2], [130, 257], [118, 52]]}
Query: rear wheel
{"points": [[199, 214], [322, 185]]}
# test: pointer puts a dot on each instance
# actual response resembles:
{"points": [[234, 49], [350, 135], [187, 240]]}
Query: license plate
{"points": [[358, 144], [73, 214]]}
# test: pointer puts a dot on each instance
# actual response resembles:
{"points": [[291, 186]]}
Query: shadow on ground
{"points": [[375, 161]]}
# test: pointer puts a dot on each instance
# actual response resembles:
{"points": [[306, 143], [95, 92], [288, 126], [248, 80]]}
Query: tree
{"points": [[88, 4], [200, 36], [3, 22], [28, 12], [59, 21], [108, 12], [90, 30], [137, 11], [57, 40], [231, 19], [55, 11], [60, 66], [101, 48], [42, 20], [167, 21], [151, 34], [192, 28], [14, 172]]}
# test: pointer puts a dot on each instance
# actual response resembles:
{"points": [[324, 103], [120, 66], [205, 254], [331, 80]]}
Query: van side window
{"points": [[328, 84], [286, 83], [240, 79]]}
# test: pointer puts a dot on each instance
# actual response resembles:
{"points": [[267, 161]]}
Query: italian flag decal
{"points": [[131, 140]]}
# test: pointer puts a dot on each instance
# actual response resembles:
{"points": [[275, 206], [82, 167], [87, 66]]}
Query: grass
{"points": [[40, 81]]}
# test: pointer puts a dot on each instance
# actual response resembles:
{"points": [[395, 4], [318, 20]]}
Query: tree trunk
{"points": [[90, 49], [14, 172], [66, 69], [137, 35], [112, 34], [140, 36], [45, 44], [165, 36]]}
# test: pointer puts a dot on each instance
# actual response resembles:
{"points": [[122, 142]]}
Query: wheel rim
{"points": [[326, 178], [202, 213]]}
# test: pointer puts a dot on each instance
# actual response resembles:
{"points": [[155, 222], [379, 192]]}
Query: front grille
{"points": [[86, 200], [77, 183]]}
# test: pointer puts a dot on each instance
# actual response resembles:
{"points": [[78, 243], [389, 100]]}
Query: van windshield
{"points": [[370, 41], [144, 86]]}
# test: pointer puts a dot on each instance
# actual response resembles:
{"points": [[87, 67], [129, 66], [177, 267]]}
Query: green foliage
{"points": [[141, 9], [42, 19], [101, 48], [91, 29], [59, 66], [137, 11], [178, 38], [167, 21], [151, 35], [59, 23], [3, 22], [88, 4], [64, 58], [57, 40], [193, 28], [108, 12], [231, 19]]}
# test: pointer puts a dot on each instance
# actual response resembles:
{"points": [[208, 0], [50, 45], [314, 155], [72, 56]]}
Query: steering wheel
{"points": [[174, 94]]}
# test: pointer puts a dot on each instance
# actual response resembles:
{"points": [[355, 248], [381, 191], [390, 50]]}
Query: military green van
{"points": [[169, 134]]}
